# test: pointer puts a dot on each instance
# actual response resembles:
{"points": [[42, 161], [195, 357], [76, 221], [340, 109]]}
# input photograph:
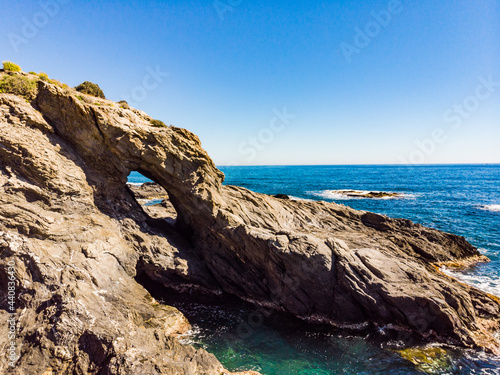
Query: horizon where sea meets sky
{"points": [[332, 82]]}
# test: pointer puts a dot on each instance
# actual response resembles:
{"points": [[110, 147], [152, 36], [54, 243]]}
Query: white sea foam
{"points": [[300, 199], [488, 252], [485, 283], [344, 194], [491, 207], [152, 202], [190, 337], [135, 183]]}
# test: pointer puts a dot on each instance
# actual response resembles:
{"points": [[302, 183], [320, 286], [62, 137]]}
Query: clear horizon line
{"points": [[353, 165]]}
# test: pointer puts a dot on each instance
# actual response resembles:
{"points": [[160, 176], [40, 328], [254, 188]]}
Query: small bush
{"points": [[80, 97], [158, 124], [43, 76], [58, 83], [10, 66], [90, 89], [34, 73], [19, 85], [123, 104]]}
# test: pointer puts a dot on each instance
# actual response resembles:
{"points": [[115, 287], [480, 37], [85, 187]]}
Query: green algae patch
{"points": [[431, 360]]}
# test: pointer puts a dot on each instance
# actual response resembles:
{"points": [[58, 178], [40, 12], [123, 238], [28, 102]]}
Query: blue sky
{"points": [[283, 82]]}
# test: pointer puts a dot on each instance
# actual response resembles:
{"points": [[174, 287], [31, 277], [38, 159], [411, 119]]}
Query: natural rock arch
{"points": [[345, 269]]}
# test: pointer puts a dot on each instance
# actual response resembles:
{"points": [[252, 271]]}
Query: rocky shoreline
{"points": [[77, 237]]}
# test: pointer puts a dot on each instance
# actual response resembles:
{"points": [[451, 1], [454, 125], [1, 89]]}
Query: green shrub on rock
{"points": [[58, 83], [43, 76], [158, 124], [10, 66], [90, 88], [19, 85], [123, 104]]}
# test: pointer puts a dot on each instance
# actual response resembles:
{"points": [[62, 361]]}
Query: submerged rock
{"points": [[365, 194], [78, 238], [430, 360]]}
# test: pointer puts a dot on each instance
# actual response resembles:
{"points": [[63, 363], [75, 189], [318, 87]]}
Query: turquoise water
{"points": [[460, 199]]}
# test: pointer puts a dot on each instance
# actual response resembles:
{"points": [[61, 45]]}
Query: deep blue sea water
{"points": [[461, 199]]}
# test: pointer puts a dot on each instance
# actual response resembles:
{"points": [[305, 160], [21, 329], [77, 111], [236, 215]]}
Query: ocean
{"points": [[460, 199]]}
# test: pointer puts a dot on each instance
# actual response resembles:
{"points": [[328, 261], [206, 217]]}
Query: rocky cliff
{"points": [[76, 238]]}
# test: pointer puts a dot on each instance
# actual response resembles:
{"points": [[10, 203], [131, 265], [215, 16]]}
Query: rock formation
{"points": [[366, 194], [77, 238]]}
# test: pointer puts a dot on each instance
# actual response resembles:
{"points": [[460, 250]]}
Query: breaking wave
{"points": [[484, 283], [491, 207], [345, 194]]}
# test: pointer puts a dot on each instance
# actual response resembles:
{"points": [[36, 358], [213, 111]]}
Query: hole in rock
{"points": [[152, 197]]}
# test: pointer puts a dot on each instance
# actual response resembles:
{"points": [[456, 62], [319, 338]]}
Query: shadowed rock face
{"points": [[78, 237]]}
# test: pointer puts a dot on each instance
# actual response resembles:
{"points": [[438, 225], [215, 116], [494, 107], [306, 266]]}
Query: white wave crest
{"points": [[491, 207], [485, 283], [300, 199], [344, 194]]}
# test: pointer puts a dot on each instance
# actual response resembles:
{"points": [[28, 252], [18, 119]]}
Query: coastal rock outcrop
{"points": [[363, 194], [77, 238], [72, 263]]}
